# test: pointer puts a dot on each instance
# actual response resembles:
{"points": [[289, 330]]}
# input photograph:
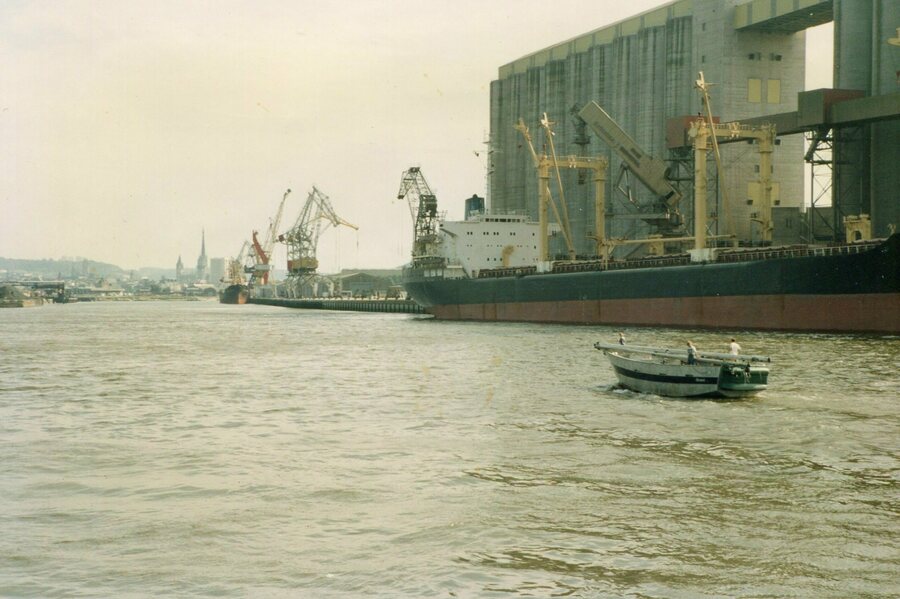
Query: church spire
{"points": [[202, 261]]}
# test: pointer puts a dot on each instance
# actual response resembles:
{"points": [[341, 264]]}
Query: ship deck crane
{"points": [[544, 163], [764, 191], [262, 252], [303, 238], [234, 273], [423, 210], [704, 132]]}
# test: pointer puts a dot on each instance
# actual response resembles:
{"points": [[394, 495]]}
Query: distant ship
{"points": [[487, 268], [18, 297], [236, 293]]}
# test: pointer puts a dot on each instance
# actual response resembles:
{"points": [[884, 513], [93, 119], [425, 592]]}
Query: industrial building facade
{"points": [[642, 72]]}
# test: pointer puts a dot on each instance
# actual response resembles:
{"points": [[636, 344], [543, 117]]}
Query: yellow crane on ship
{"points": [[234, 271]]}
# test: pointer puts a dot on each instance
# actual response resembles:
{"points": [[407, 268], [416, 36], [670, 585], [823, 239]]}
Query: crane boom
{"points": [[263, 251], [272, 233]]}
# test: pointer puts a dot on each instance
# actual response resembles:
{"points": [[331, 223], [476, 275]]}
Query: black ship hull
{"points": [[234, 294], [853, 288]]}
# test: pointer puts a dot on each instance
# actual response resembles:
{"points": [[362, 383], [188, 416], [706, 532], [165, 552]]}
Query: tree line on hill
{"points": [[82, 267]]}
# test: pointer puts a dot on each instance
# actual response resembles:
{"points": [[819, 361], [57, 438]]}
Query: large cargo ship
{"points": [[499, 267], [846, 288], [492, 267]]}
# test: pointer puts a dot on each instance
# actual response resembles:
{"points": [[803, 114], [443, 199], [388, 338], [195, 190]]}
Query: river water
{"points": [[191, 448]]}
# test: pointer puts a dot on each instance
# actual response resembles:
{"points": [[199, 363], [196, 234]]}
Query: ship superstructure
{"points": [[488, 241]]}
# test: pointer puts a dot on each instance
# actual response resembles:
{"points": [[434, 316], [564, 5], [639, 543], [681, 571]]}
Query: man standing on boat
{"points": [[621, 338], [692, 353], [734, 348]]}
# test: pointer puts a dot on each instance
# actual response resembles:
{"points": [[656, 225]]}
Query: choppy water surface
{"points": [[160, 449]]}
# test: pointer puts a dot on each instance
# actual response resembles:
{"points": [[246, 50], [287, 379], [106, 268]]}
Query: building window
{"points": [[773, 91], [754, 91]]}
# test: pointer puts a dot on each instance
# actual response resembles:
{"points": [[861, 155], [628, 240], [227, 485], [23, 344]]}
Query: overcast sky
{"points": [[127, 127]]}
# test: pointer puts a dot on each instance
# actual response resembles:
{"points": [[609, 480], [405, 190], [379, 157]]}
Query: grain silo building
{"points": [[642, 72]]}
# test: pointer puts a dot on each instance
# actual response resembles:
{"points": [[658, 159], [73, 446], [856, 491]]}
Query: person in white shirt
{"points": [[734, 348]]}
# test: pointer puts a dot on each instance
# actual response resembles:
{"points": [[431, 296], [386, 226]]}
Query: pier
{"points": [[49, 290], [346, 305]]}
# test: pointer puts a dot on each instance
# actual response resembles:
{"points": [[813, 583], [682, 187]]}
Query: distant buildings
{"points": [[209, 270], [216, 270]]}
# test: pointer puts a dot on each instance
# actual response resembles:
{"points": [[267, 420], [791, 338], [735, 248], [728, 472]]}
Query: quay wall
{"points": [[346, 305]]}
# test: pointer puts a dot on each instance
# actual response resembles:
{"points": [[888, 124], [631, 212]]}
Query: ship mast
{"points": [[762, 192], [543, 164]]}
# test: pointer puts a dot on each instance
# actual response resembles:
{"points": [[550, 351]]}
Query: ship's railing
{"points": [[497, 273], [745, 255], [647, 262], [650, 262], [589, 266], [794, 252]]}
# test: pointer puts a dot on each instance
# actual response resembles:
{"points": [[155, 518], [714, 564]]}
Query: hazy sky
{"points": [[127, 127]]}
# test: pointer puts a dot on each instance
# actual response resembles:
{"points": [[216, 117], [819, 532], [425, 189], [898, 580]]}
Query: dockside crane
{"points": [[303, 238], [262, 252], [423, 210]]}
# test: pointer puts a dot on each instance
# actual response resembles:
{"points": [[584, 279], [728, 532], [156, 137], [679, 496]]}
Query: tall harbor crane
{"points": [[423, 210], [301, 240], [262, 252]]}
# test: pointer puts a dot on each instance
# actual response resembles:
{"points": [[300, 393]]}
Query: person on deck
{"points": [[621, 338], [692, 353], [734, 348]]}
